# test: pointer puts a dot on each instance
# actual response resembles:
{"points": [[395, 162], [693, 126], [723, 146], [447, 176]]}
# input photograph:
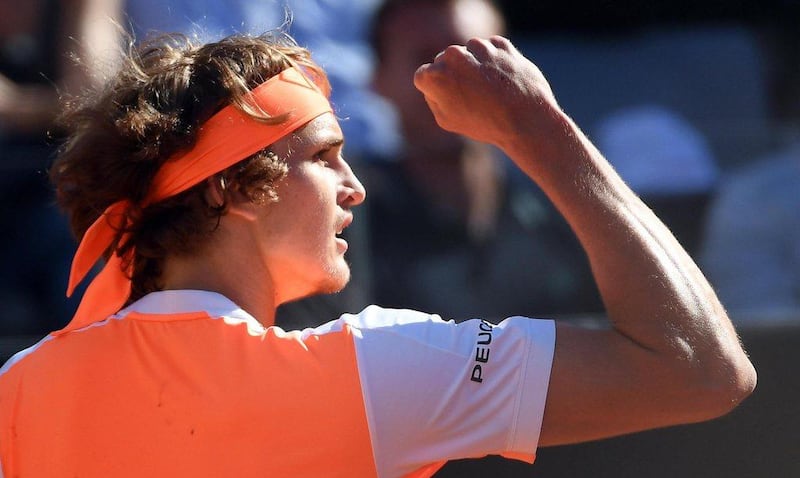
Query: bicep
{"points": [[603, 384]]}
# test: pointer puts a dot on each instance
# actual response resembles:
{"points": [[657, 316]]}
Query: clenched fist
{"points": [[486, 90]]}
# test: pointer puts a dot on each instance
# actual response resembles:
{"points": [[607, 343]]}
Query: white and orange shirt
{"points": [[185, 383]]}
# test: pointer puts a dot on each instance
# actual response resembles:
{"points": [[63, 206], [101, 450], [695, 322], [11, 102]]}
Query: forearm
{"points": [[653, 292]]}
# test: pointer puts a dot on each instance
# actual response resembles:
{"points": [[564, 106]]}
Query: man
{"points": [[212, 218], [454, 229]]}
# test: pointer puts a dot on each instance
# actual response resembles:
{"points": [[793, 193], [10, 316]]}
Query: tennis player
{"points": [[212, 181]]}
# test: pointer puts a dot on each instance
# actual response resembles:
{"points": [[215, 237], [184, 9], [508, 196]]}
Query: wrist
{"points": [[543, 132]]}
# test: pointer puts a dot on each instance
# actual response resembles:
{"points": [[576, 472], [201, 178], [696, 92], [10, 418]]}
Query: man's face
{"points": [[300, 232], [413, 35]]}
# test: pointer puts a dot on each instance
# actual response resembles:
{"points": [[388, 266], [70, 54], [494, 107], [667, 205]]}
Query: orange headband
{"points": [[225, 139]]}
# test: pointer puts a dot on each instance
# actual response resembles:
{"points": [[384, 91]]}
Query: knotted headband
{"points": [[225, 139]]}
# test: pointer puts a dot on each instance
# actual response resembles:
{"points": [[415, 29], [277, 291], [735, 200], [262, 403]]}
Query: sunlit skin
{"points": [[301, 231], [290, 248]]}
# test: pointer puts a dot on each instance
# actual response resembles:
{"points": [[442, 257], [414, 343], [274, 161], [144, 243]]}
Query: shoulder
{"points": [[22, 355], [374, 317], [393, 327]]}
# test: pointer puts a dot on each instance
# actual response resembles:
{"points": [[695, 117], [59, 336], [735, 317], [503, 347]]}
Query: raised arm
{"points": [[671, 355]]}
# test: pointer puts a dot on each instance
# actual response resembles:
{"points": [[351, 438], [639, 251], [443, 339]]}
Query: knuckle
{"points": [[451, 51], [478, 44], [500, 41]]}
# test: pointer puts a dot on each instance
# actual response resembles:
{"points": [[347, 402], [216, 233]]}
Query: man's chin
{"points": [[337, 284], [333, 284]]}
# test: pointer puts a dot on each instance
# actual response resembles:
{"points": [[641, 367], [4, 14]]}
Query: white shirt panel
{"points": [[437, 390]]}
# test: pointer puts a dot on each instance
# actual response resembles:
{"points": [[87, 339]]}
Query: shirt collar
{"points": [[183, 301]]}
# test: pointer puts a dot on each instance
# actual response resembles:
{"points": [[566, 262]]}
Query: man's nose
{"points": [[352, 192]]}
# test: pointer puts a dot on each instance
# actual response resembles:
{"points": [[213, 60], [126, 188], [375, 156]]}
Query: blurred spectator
{"points": [[752, 249], [665, 160], [38, 39], [447, 223]]}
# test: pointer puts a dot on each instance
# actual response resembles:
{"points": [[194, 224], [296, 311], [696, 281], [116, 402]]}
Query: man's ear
{"points": [[215, 191], [235, 204]]}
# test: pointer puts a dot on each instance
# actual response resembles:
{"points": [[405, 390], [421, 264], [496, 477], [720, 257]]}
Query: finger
{"points": [[424, 76], [437, 111], [480, 48], [452, 53], [432, 104], [501, 42], [445, 60], [420, 76]]}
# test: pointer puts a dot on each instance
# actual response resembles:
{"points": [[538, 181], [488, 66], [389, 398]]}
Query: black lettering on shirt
{"points": [[482, 349], [477, 374]]}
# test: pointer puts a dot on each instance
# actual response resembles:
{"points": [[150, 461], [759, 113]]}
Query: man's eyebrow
{"points": [[333, 142]]}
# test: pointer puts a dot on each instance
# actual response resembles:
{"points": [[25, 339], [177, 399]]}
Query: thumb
{"points": [[439, 114], [422, 77]]}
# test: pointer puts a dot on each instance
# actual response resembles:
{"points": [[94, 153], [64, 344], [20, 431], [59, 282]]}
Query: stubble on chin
{"points": [[338, 276]]}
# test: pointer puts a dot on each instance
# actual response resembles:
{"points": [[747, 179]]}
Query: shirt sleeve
{"points": [[438, 390]]}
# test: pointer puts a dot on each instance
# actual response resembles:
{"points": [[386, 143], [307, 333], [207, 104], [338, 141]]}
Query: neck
{"points": [[229, 272]]}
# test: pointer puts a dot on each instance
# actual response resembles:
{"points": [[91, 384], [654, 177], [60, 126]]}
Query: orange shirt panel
{"points": [[186, 396]]}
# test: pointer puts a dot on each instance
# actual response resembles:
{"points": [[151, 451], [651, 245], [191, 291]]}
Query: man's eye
{"points": [[320, 157]]}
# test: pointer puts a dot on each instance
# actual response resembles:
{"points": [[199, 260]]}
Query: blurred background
{"points": [[697, 105]]}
